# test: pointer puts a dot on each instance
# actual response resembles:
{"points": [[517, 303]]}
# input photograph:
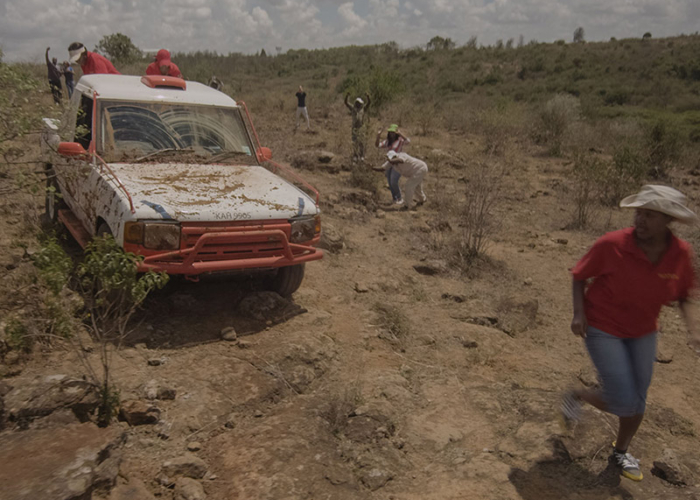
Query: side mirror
{"points": [[264, 154], [71, 149]]}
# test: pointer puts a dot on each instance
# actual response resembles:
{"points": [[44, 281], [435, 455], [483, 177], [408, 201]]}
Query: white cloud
{"points": [[27, 27]]}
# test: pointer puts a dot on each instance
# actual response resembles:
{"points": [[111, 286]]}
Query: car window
{"points": [[133, 130]]}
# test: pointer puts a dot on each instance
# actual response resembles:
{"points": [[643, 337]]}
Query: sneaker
{"points": [[628, 464], [570, 410], [423, 199], [398, 202]]}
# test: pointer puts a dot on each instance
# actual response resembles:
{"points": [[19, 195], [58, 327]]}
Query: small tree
{"points": [[646, 36], [119, 48], [579, 35], [588, 173], [440, 43], [113, 291]]}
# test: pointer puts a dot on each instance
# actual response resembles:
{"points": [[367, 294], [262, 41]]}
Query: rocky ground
{"points": [[390, 374]]}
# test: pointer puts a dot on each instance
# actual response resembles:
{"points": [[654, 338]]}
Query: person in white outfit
{"points": [[414, 170]]}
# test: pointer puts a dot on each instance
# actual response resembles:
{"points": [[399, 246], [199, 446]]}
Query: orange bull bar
{"points": [[226, 251]]}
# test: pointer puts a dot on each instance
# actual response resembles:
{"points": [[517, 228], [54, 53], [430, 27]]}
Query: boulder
{"points": [[187, 465], [325, 156], [133, 490], [40, 396], [189, 489], [229, 334], [670, 469], [331, 239], [65, 463], [138, 412], [431, 267]]}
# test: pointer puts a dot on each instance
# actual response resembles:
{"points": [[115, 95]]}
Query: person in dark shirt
{"points": [[68, 74], [301, 108], [54, 78]]}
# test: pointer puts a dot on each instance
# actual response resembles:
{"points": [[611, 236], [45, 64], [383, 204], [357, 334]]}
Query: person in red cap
{"points": [[90, 62], [163, 65]]}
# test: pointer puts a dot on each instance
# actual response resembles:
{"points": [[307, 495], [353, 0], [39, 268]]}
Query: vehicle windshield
{"points": [[155, 131]]}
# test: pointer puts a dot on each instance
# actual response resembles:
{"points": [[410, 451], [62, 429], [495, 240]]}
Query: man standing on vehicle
{"points": [[90, 62], [54, 78], [163, 65], [414, 170], [301, 108]]}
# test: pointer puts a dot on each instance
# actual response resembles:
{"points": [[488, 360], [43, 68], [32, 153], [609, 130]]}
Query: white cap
{"points": [[359, 100], [391, 154], [75, 54]]}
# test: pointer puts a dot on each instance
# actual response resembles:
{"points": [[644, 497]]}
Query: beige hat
{"points": [[662, 199]]}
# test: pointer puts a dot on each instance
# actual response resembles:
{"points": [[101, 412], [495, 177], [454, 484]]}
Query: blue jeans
{"points": [[392, 177], [625, 367]]}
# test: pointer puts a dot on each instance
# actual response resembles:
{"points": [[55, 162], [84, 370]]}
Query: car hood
{"points": [[188, 192]]}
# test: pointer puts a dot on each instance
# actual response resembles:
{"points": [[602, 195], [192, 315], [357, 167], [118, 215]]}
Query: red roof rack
{"points": [[162, 81]]}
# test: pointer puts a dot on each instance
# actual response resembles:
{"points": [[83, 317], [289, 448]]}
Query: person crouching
{"points": [[414, 170]]}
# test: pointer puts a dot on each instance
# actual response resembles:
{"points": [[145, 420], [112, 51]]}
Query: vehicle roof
{"points": [[130, 88]]}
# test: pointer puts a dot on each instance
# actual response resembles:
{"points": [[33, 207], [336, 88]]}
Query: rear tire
{"points": [[287, 280]]}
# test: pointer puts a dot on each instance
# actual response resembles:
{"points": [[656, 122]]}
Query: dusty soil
{"points": [[329, 404]]}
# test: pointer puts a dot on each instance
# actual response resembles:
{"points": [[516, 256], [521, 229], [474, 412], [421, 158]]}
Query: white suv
{"points": [[174, 171]]}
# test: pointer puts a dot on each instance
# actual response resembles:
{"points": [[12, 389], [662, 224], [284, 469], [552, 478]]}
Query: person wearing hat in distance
{"points": [[162, 65], [90, 62], [634, 271], [394, 141], [414, 170], [357, 110]]}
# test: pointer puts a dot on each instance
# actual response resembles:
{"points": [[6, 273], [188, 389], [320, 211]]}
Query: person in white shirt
{"points": [[414, 170]]}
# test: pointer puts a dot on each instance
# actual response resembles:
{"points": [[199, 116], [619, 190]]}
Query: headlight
{"points": [[305, 229], [153, 235]]}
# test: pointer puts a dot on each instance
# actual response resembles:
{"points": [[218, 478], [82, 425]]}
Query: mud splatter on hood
{"points": [[190, 192]]}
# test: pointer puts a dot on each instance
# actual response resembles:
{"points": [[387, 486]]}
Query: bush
{"points": [[589, 173], [663, 143], [624, 175], [382, 86], [554, 120]]}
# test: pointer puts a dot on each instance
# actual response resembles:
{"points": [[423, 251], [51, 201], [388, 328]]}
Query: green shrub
{"points": [[624, 175], [663, 143], [589, 173], [554, 120]]}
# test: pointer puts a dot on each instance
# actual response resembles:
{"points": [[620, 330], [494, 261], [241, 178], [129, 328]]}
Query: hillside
{"points": [[419, 369]]}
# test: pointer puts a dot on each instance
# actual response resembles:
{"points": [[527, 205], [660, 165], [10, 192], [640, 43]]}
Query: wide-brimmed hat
{"points": [[662, 199], [74, 55], [393, 128]]}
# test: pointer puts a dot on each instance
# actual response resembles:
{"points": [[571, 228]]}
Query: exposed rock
{"points": [[381, 214], [664, 357], [138, 412], [516, 316], [166, 393], [268, 307], [133, 490], [156, 361], [162, 429], [562, 241], [187, 465], [65, 463], [229, 333], [194, 446], [375, 478], [188, 489], [439, 225], [469, 344], [150, 390], [41, 396], [457, 298], [325, 156], [431, 267], [361, 287], [331, 239], [669, 468]]}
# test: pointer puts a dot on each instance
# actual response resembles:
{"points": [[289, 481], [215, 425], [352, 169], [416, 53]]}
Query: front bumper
{"points": [[230, 249]]}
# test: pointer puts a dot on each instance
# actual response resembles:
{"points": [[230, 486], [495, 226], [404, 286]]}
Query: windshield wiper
{"points": [[161, 151], [225, 154]]}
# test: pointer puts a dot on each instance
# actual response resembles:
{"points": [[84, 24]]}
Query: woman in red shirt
{"points": [[635, 271]]}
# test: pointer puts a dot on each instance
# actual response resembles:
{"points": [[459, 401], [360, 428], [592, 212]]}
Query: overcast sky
{"points": [[27, 27]]}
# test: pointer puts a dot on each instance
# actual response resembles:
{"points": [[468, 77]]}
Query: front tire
{"points": [[287, 280]]}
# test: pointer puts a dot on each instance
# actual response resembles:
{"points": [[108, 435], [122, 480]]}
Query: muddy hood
{"points": [[188, 192]]}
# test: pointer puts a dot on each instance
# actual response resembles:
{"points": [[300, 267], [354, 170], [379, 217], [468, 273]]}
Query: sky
{"points": [[27, 27]]}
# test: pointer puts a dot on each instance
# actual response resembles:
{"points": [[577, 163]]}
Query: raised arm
{"points": [[346, 102], [379, 138], [47, 55]]}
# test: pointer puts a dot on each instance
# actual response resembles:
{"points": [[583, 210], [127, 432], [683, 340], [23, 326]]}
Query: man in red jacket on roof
{"points": [[163, 65], [90, 62]]}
